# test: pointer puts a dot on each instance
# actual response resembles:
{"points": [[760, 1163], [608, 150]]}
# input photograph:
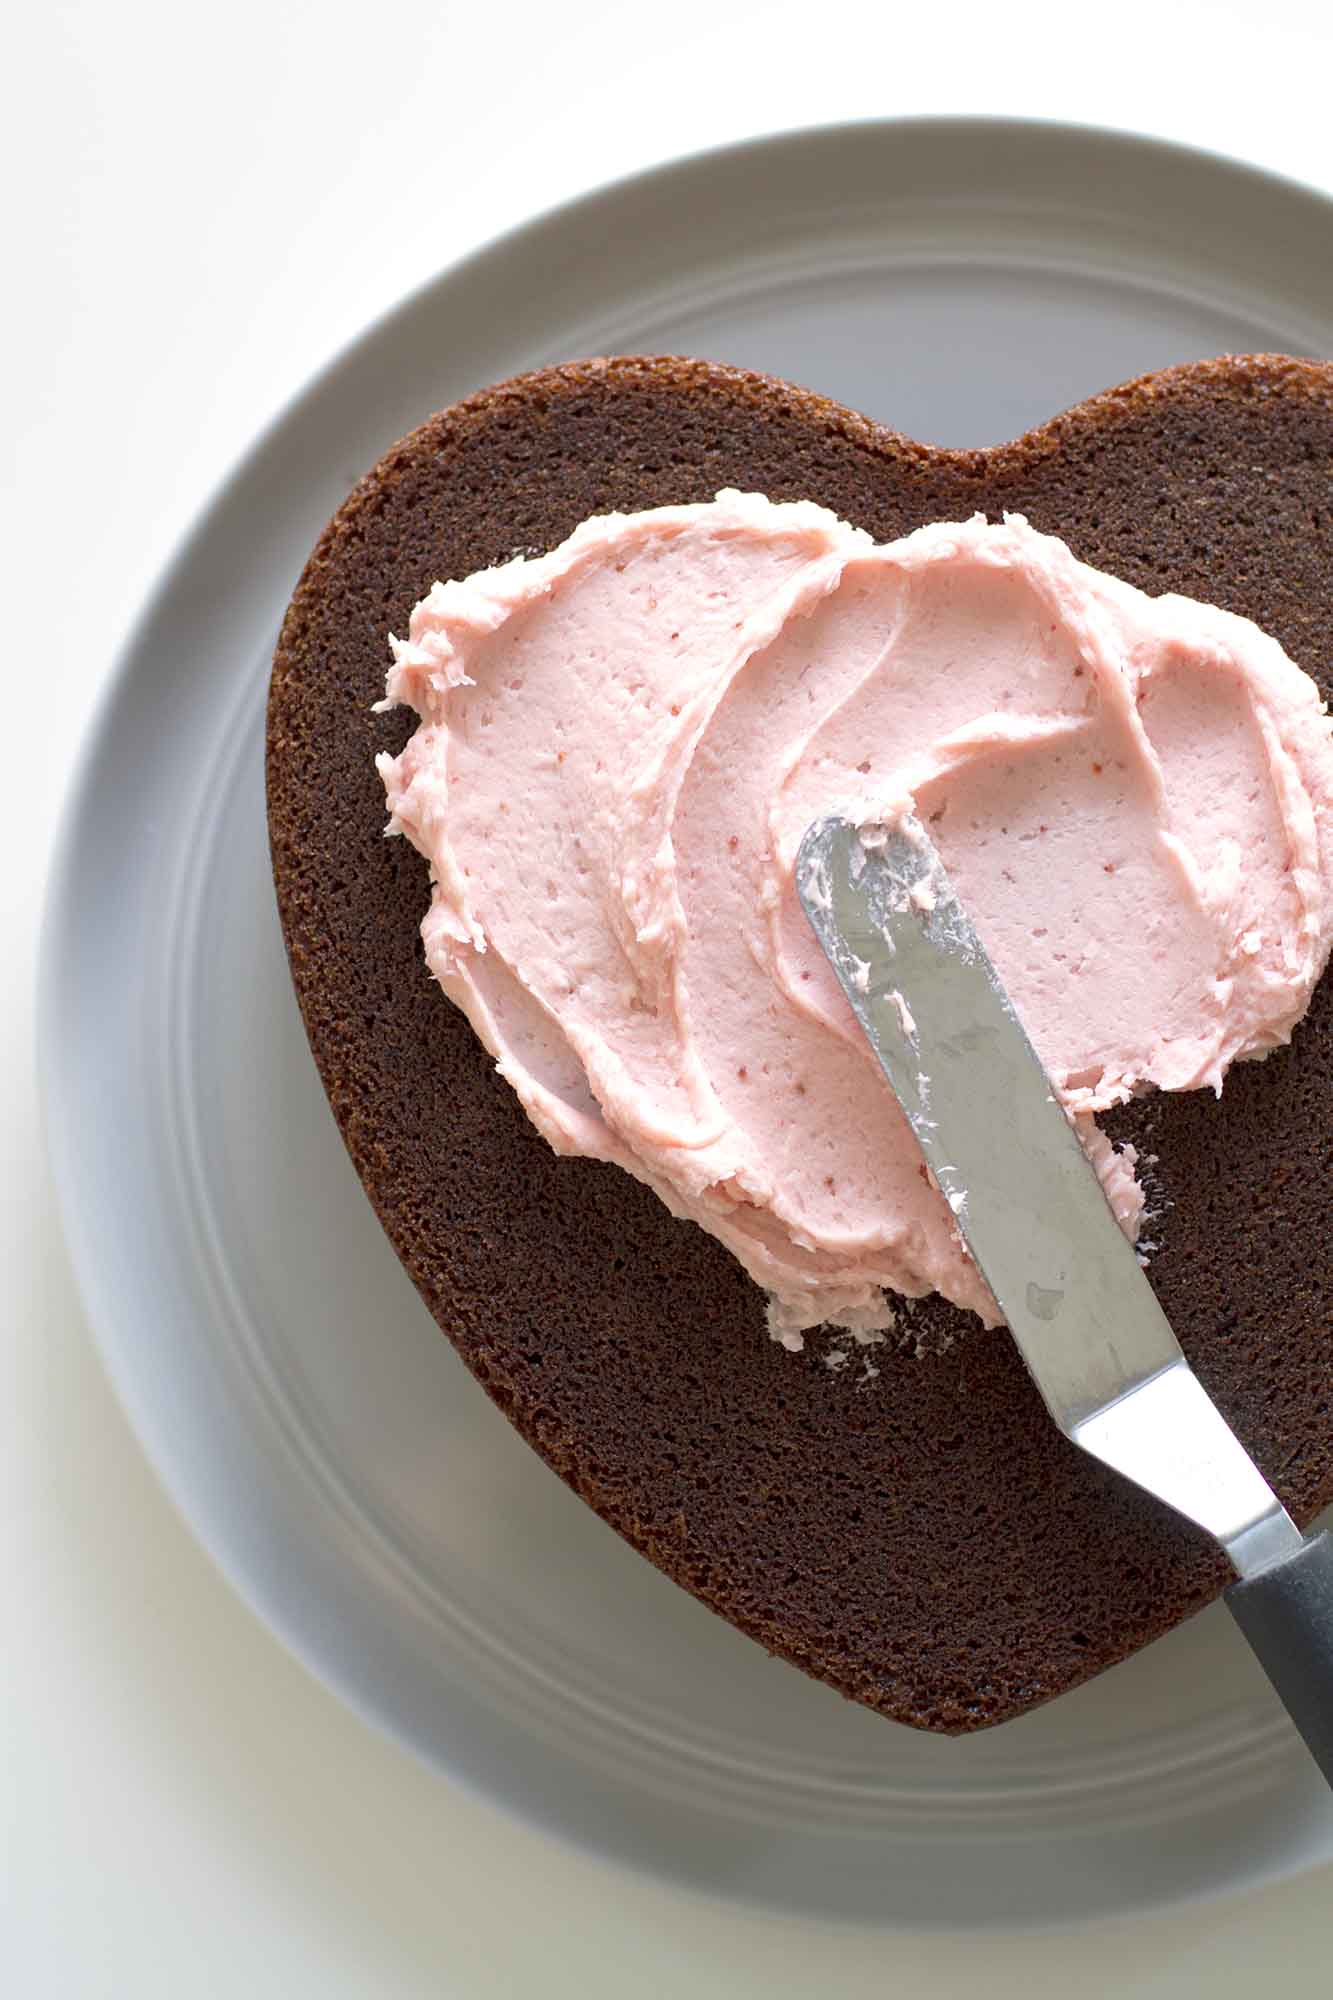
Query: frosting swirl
{"points": [[622, 742]]}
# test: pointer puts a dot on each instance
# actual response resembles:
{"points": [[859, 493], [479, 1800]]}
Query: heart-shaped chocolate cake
{"points": [[911, 1529]]}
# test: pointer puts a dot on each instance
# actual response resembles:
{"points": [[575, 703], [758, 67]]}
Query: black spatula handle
{"points": [[1286, 1613]]}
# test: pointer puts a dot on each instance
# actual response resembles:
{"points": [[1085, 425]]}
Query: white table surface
{"points": [[204, 207]]}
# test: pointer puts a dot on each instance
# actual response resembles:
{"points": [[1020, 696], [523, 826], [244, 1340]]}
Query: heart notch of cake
{"points": [[906, 1527]]}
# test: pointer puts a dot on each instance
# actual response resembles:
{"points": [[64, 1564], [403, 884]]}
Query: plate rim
{"points": [[61, 886]]}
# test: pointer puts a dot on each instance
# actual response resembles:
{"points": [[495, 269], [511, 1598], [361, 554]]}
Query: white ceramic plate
{"points": [[960, 281]]}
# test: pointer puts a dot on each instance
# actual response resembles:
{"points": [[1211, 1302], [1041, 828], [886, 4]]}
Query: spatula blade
{"points": [[1027, 1200]]}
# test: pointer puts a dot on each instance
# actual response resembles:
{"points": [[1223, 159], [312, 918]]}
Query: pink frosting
{"points": [[622, 742]]}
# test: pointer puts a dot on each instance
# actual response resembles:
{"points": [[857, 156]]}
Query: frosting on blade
{"points": [[622, 743]]}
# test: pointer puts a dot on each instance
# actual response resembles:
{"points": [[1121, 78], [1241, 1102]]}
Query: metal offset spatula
{"points": [[1034, 1216]]}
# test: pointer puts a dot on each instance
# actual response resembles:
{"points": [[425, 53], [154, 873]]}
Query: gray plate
{"points": [[961, 281]]}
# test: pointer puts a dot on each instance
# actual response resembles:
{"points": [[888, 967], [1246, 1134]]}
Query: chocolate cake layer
{"points": [[920, 1538]]}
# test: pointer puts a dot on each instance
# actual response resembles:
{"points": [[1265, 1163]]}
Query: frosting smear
{"points": [[622, 742]]}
